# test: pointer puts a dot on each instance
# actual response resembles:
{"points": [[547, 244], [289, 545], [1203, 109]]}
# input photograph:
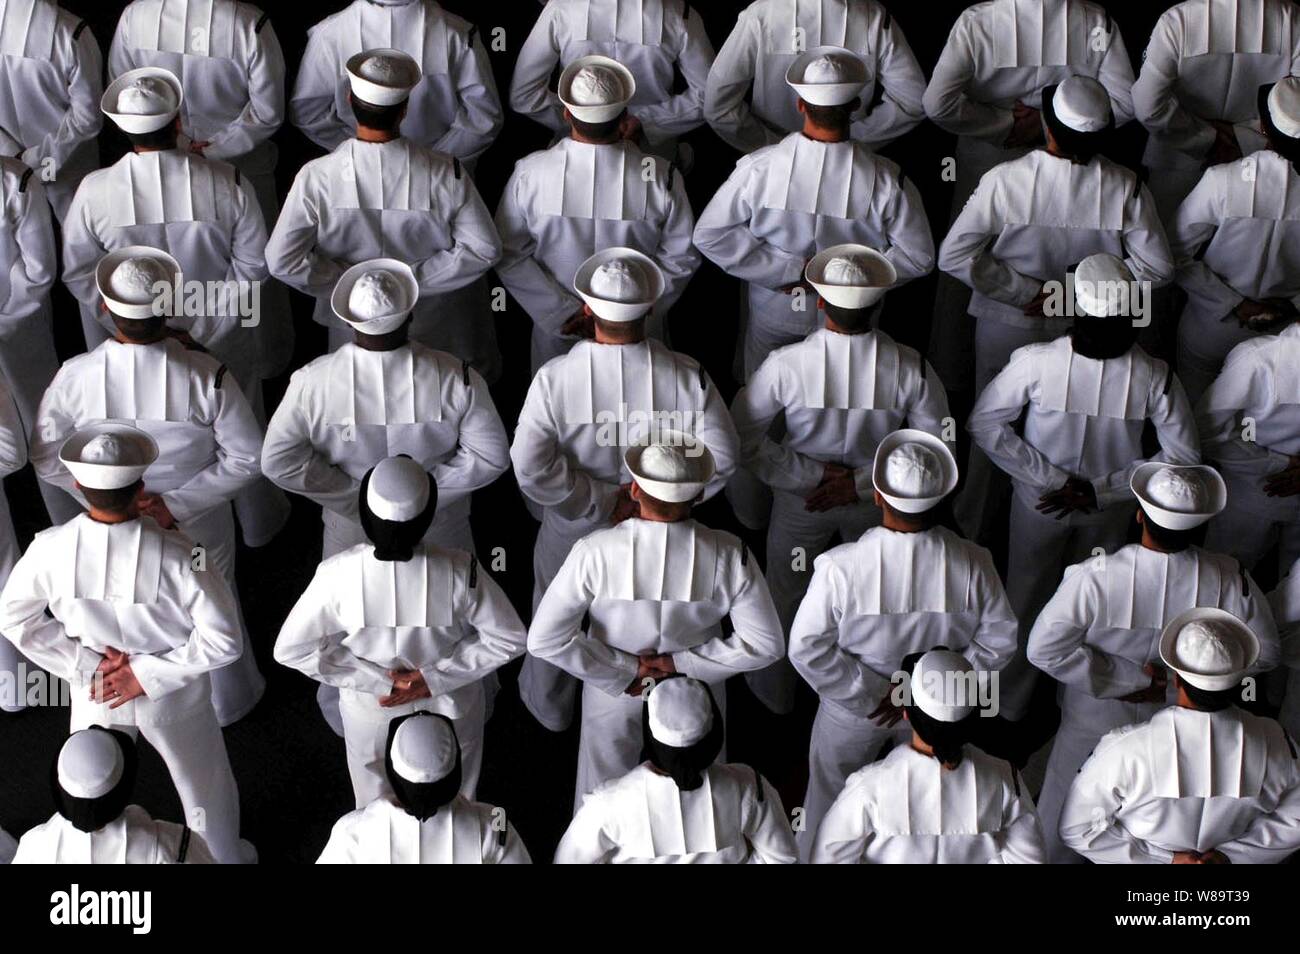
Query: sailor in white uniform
{"points": [[427, 819], [1203, 782], [93, 778], [227, 57], [934, 799], [209, 442], [13, 456], [655, 39], [746, 101], [814, 188], [52, 67], [987, 90], [454, 109], [1098, 636], [1197, 90], [1235, 240], [840, 391], [400, 626], [680, 805], [1249, 422], [1285, 603], [385, 195], [902, 588], [116, 605], [590, 191], [27, 356], [1086, 400], [655, 588], [583, 411]]}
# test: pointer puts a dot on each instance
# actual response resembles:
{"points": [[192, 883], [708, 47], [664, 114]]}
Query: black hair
{"points": [[926, 519], [1103, 338], [387, 119], [948, 739], [387, 341], [686, 764], [839, 118], [164, 138], [422, 799], [140, 329], [395, 540], [1210, 700], [114, 501], [1172, 540], [1285, 146], [1080, 147], [92, 814], [606, 130], [852, 320]]}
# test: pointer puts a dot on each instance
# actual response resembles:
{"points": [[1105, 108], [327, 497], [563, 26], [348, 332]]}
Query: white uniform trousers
{"points": [[1253, 523], [795, 539], [365, 735], [1039, 549], [772, 323], [1084, 720], [547, 691], [236, 688], [459, 322], [1203, 346], [261, 508], [194, 752], [986, 486], [842, 742], [612, 737]]}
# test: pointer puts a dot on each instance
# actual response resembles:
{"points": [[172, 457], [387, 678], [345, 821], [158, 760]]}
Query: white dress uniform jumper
{"points": [[13, 455]]}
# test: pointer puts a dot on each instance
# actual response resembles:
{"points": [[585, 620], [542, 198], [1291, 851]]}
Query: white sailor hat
{"points": [[1080, 104], [129, 280], [424, 750], [382, 77], [680, 711], [1284, 106], [1179, 497], [375, 297], [913, 470], [675, 470], [90, 764], [619, 284], [827, 76], [143, 100], [850, 276], [398, 490], [1209, 648], [941, 686], [596, 89], [1102, 285], [108, 456]]}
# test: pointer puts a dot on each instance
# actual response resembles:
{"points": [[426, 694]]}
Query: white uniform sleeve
{"points": [[815, 651], [585, 841], [538, 292], [263, 114], [683, 111], [846, 830], [990, 424], [238, 455], [676, 254], [215, 639], [56, 419], [965, 252], [81, 65], [1244, 385], [901, 88], [724, 236], [996, 636], [290, 459], [247, 261], [312, 104], [1146, 247], [292, 254], [341, 848], [1058, 643], [1198, 219], [909, 242], [494, 635], [1090, 818], [1155, 94], [478, 116], [36, 634], [482, 448], [1275, 835], [766, 828], [83, 248], [311, 641], [946, 100], [475, 245], [756, 406], [556, 634], [729, 81], [530, 93], [757, 639], [27, 217], [1022, 834], [1171, 415], [13, 442]]}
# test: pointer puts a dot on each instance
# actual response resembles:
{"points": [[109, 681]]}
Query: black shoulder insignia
{"points": [[686, 12], [76, 34], [183, 852], [501, 836], [1015, 779], [221, 376], [672, 167], [1169, 380], [473, 32], [27, 177], [744, 555], [473, 571], [758, 784], [464, 372], [1289, 744], [704, 379], [1245, 581], [455, 164], [884, 24], [1107, 14], [236, 177], [261, 22]]}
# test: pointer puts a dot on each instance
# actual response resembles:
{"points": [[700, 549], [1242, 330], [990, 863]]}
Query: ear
{"points": [[1138, 517], [586, 310], [879, 500], [568, 117], [635, 492], [801, 105]]}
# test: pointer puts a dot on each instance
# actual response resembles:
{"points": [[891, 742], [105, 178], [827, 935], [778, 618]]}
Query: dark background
{"points": [[291, 769]]}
